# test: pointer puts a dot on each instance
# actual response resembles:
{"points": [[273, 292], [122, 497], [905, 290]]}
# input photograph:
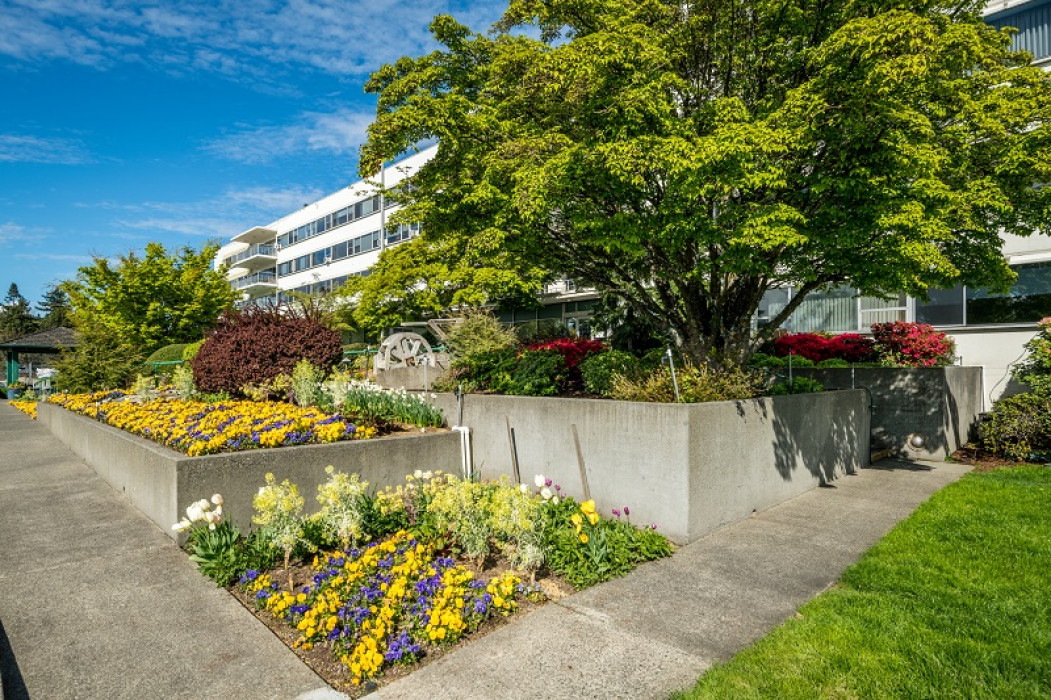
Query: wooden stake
{"points": [[580, 462], [514, 451]]}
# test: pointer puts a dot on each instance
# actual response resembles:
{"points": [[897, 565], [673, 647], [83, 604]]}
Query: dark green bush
{"points": [[598, 370], [169, 353], [833, 362], [761, 359], [799, 385], [538, 373], [485, 371], [1017, 426], [799, 361]]}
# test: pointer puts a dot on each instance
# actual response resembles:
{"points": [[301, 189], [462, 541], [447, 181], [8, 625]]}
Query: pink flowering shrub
{"points": [[913, 344], [573, 351]]}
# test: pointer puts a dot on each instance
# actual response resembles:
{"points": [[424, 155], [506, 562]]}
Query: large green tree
{"points": [[54, 308], [154, 300], [687, 155], [426, 277]]}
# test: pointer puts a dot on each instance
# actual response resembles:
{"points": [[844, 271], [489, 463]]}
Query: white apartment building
{"points": [[316, 248]]}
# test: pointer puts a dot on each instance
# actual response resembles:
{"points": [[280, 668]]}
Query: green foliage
{"points": [[538, 373], [585, 550], [696, 385], [1035, 370], [55, 309], [182, 378], [190, 351], [277, 510], [687, 162], [952, 602], [798, 385], [485, 371], [480, 332], [16, 317], [153, 300], [599, 370], [1018, 425], [833, 362], [761, 360], [169, 353], [306, 383], [374, 404], [422, 278], [101, 360], [342, 515], [218, 553]]}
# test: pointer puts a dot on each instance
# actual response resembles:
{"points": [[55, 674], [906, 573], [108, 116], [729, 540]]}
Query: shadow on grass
{"points": [[14, 686]]}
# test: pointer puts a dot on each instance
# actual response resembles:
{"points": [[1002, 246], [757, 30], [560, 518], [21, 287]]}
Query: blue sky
{"points": [[179, 122]]}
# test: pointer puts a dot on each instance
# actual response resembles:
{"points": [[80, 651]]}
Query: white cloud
{"points": [[55, 257], [21, 148], [334, 133], [257, 39], [216, 217], [15, 233]]}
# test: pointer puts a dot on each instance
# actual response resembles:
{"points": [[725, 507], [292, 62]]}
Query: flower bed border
{"points": [[160, 481]]}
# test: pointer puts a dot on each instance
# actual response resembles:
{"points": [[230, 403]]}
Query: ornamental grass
{"points": [[199, 428]]}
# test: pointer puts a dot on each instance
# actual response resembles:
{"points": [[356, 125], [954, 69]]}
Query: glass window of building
{"points": [[1028, 301]]}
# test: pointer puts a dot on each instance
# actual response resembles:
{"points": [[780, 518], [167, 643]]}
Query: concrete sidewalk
{"points": [[95, 601], [656, 630]]}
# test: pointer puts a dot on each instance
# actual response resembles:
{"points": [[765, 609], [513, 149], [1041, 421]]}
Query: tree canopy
{"points": [[154, 300], [687, 156], [425, 277], [16, 317]]}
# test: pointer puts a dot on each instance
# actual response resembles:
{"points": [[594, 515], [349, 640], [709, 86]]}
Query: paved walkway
{"points": [[95, 601]]}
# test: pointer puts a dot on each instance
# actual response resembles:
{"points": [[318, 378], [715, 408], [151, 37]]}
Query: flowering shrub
{"points": [[696, 385], [816, 348], [573, 352], [26, 407], [255, 345], [198, 428], [913, 344], [1035, 370]]}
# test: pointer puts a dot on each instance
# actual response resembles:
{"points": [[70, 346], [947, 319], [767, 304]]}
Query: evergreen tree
{"points": [[16, 317], [54, 308]]}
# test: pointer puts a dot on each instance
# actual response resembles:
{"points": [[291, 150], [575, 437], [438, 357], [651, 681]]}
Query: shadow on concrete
{"points": [[14, 686], [900, 465], [827, 438], [940, 405]]}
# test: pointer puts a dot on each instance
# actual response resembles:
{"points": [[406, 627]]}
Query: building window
{"points": [[1028, 301], [944, 308]]}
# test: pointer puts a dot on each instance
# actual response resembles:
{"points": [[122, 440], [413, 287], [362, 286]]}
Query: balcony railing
{"points": [[266, 277], [260, 249]]}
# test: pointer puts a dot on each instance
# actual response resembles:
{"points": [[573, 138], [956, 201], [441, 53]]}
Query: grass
{"points": [[954, 602]]}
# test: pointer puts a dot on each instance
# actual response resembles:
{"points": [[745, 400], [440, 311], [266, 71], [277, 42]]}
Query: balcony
{"points": [[259, 234], [254, 258], [255, 284]]}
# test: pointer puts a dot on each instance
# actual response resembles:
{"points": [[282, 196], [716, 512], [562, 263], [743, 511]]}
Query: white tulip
{"points": [[539, 480], [523, 488], [217, 499], [546, 493], [554, 500], [182, 526]]}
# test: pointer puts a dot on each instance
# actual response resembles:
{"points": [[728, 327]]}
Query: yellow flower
{"points": [[593, 518], [583, 538], [588, 507]]}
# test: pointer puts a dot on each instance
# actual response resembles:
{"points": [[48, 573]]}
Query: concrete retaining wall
{"points": [[161, 482], [941, 404], [687, 468]]}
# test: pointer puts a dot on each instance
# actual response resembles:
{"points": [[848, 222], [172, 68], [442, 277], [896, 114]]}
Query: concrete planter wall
{"points": [[938, 404], [687, 468], [161, 482]]}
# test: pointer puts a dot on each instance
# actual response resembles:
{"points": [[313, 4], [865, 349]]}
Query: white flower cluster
{"points": [[201, 512], [544, 484]]}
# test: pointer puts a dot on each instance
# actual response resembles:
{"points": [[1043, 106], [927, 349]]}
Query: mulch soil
{"points": [[321, 659], [983, 461]]}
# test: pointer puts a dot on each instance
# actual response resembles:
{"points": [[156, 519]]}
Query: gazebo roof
{"points": [[51, 340]]}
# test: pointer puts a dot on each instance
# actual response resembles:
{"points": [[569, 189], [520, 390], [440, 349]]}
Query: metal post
{"points": [[674, 379]]}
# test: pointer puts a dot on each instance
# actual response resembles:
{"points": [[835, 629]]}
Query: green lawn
{"points": [[954, 602]]}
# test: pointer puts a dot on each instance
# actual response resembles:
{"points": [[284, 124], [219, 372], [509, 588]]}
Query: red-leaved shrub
{"points": [[853, 348], [812, 346], [573, 351], [913, 344], [255, 345]]}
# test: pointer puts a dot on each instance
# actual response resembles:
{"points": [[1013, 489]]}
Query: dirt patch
{"points": [[983, 461]]}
